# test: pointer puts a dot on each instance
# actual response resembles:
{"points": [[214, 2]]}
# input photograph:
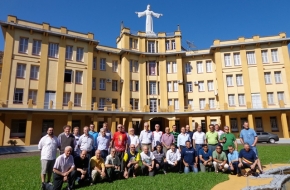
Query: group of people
{"points": [[93, 157]]}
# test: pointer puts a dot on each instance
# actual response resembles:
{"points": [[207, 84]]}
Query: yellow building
{"points": [[54, 76]]}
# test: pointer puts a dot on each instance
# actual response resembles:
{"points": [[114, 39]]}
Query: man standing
{"points": [[103, 142], [64, 170], [167, 139], [97, 166], [66, 139], [187, 131], [160, 159], [147, 158], [219, 159], [133, 139], [198, 139], [175, 134], [81, 165], [228, 139], [190, 158], [157, 134], [94, 134], [86, 142], [131, 159], [247, 159], [77, 136], [205, 157], [217, 129], [112, 165], [233, 158], [212, 138], [181, 139], [146, 137], [173, 158], [48, 146], [106, 129], [120, 143]]}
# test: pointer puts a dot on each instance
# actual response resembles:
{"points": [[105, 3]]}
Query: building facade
{"points": [[54, 76]]}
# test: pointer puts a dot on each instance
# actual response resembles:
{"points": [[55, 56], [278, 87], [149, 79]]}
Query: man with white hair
{"points": [[157, 134], [146, 136], [86, 142], [147, 158], [133, 139], [64, 170]]}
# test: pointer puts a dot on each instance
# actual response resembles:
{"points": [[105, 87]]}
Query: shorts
{"points": [[47, 166]]}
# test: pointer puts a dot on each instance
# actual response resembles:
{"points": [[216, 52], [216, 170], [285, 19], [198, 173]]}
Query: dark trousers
{"points": [[58, 180], [181, 165], [79, 174], [172, 168], [145, 171], [236, 168], [245, 165], [112, 173], [120, 154], [160, 167], [131, 169], [104, 154]]}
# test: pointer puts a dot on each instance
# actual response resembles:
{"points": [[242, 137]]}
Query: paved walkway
{"points": [[238, 183]]}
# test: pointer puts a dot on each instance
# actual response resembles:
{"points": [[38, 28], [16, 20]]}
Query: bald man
{"points": [[81, 164], [97, 166], [146, 137]]}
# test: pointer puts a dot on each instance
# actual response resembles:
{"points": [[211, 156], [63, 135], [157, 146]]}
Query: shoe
{"points": [[239, 175], [43, 185], [165, 172]]}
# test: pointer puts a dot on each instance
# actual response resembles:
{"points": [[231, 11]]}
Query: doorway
{"points": [[158, 120]]}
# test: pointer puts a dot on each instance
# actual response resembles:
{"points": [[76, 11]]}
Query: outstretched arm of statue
{"points": [[140, 14], [157, 15]]}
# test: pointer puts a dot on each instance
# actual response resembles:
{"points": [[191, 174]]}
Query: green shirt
{"points": [[212, 137], [230, 138], [221, 157], [175, 134]]}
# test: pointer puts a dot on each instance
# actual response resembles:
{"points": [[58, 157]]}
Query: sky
{"points": [[201, 21]]}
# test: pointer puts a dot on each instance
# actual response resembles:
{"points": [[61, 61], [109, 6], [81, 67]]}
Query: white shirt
{"points": [[219, 132], [172, 157], [146, 137], [199, 137], [48, 147], [157, 137], [147, 158], [86, 142], [133, 139], [77, 137]]}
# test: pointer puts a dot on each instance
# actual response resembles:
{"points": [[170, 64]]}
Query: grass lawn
{"points": [[23, 173]]}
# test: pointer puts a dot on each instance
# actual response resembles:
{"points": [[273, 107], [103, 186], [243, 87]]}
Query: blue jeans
{"points": [[254, 148], [187, 169]]}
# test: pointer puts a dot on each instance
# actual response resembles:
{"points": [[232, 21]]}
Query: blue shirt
{"points": [[189, 155], [182, 138], [233, 156], [205, 155], [103, 143], [248, 156], [190, 133], [248, 136], [95, 136]]}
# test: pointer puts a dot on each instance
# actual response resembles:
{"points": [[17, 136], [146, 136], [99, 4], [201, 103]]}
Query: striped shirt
{"points": [[159, 157], [175, 134]]}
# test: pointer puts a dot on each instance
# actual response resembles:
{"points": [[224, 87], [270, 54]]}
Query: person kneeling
{"points": [[219, 160], [233, 158], [205, 157], [131, 159], [247, 159], [147, 158], [97, 166], [160, 159], [112, 165], [81, 164], [173, 158], [190, 158]]}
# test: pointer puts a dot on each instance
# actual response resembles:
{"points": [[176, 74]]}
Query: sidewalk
{"points": [[17, 149]]}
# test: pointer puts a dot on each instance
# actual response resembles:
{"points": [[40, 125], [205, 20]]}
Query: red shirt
{"points": [[120, 140]]}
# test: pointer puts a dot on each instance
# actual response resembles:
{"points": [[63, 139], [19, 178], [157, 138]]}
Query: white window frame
{"points": [[190, 102], [199, 67], [102, 84], [167, 45], [36, 47], [21, 70], [20, 93], [189, 87], [168, 67], [114, 85], [202, 103], [170, 102], [152, 88], [136, 66], [169, 86], [227, 59], [274, 55], [174, 67], [34, 72], [251, 58], [78, 99], [102, 64], [69, 52], [241, 98], [53, 50], [32, 94], [188, 68], [201, 86], [208, 66], [211, 103], [23, 45], [229, 80], [265, 56], [80, 54], [176, 104], [115, 66], [79, 77], [270, 98], [94, 83], [239, 80], [66, 98], [267, 77], [210, 85], [175, 86], [237, 59], [152, 64], [278, 77], [231, 99], [151, 46], [281, 96], [173, 45]]}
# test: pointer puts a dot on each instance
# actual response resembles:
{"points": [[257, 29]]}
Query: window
{"points": [[170, 102], [168, 67], [188, 86], [280, 96], [237, 59], [32, 94], [136, 85], [201, 103], [114, 85], [23, 45], [103, 64], [20, 70], [234, 124], [18, 96], [208, 66], [227, 59], [173, 44], [190, 102], [151, 46], [210, 85], [167, 45], [133, 43], [265, 56], [79, 77], [36, 47], [134, 103], [274, 54], [241, 98], [231, 99], [174, 67], [175, 86], [278, 77], [136, 66], [187, 68], [199, 67], [200, 86], [66, 98], [102, 103], [69, 53], [251, 58], [152, 87], [176, 104], [94, 63], [169, 86], [18, 128], [259, 124], [78, 99], [267, 77], [131, 66], [102, 84], [80, 54], [53, 50], [94, 85], [152, 68], [211, 103], [229, 80], [34, 72], [68, 75], [115, 66], [93, 99], [131, 85], [115, 101], [270, 98], [274, 124], [240, 81]]}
